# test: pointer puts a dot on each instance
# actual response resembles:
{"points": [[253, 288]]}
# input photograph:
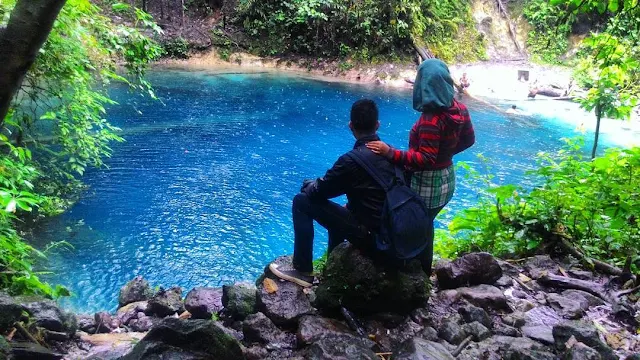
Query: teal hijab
{"points": [[433, 88]]}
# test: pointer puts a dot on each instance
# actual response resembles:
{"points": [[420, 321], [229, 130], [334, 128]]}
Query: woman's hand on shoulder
{"points": [[378, 147]]}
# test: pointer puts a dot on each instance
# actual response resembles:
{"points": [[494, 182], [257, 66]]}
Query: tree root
{"points": [[462, 346]]}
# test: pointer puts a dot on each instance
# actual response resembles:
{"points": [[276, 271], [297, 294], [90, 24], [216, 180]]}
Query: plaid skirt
{"points": [[435, 187]]}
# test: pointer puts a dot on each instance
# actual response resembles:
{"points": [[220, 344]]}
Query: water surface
{"points": [[200, 192]]}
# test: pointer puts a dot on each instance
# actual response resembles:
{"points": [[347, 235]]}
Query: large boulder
{"points": [[10, 312], [467, 270], [137, 289], [203, 302], [166, 302], [420, 349], [46, 314], [239, 299], [354, 281], [186, 339], [341, 347]]}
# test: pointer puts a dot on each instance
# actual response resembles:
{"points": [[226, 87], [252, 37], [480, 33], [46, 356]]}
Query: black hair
{"points": [[513, 107], [364, 116]]}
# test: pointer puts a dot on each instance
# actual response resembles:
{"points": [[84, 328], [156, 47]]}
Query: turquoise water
{"points": [[200, 192]]}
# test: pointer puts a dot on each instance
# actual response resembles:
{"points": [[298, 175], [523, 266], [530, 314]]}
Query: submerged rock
{"points": [[137, 289], [239, 300], [203, 302], [354, 281], [420, 349], [186, 339], [467, 270], [341, 347], [167, 302]]}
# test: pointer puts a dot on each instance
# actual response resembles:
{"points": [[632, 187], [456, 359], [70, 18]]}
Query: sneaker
{"points": [[289, 273]]}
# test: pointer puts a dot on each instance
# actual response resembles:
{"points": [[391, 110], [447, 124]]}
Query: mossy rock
{"points": [[356, 282]]}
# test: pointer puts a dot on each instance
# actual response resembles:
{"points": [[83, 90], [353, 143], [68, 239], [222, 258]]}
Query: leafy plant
{"points": [[176, 48], [592, 204], [547, 40]]}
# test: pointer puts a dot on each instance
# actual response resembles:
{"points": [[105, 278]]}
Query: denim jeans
{"points": [[340, 223]]}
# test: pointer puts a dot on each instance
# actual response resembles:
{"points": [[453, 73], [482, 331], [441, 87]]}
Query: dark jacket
{"points": [[346, 177]]}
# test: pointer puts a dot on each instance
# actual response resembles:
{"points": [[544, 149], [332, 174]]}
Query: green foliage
{"points": [[594, 204], [364, 30], [548, 40], [319, 264], [60, 114], [176, 48]]}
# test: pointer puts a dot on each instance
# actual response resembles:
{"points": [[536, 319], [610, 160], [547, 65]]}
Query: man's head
{"points": [[513, 107], [364, 118]]}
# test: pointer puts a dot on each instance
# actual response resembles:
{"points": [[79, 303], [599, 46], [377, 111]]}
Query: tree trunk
{"points": [[29, 26], [181, 12], [595, 141], [144, 5]]}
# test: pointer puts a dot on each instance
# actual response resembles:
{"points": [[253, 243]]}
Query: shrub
{"points": [[176, 48]]}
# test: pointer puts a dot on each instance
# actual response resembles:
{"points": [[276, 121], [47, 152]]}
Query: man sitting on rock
{"points": [[353, 222]]}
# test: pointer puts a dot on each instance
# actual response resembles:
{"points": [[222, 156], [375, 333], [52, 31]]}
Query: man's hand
{"points": [[379, 147], [306, 183]]}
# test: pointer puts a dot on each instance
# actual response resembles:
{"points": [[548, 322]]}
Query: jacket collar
{"points": [[365, 139]]}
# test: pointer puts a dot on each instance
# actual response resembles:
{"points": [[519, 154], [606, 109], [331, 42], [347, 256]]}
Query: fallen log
{"points": [[563, 282]]}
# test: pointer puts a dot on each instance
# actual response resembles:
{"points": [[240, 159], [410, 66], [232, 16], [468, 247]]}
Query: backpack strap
{"points": [[362, 160]]}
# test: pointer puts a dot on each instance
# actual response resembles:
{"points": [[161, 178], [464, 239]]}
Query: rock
{"points": [[203, 302], [31, 351], [395, 337], [429, 333], [87, 323], [105, 323], [586, 300], [567, 308], [186, 339], [508, 269], [580, 351], [46, 314], [10, 312], [635, 356], [422, 317], [451, 332], [541, 333], [259, 328], [497, 346], [504, 282], [312, 328], [477, 330], [239, 299], [506, 330], [420, 349], [539, 265], [166, 302], [137, 289], [584, 333], [528, 355], [470, 269], [484, 296], [255, 353], [142, 323], [130, 311], [286, 305], [341, 347], [472, 313], [516, 319], [542, 315], [363, 287], [5, 348], [563, 282]]}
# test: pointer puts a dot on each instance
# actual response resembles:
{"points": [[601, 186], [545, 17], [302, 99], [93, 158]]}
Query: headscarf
{"points": [[433, 89]]}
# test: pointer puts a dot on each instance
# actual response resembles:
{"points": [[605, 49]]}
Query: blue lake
{"points": [[200, 192]]}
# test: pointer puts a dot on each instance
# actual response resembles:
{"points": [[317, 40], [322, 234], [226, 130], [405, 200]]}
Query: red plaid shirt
{"points": [[435, 138]]}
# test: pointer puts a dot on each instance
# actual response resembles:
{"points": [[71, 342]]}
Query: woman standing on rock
{"points": [[443, 130]]}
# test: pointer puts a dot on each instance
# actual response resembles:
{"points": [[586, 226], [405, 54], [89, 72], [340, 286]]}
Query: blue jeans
{"points": [[340, 223]]}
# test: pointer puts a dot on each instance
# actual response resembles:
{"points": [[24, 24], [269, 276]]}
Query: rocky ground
{"points": [[479, 308]]}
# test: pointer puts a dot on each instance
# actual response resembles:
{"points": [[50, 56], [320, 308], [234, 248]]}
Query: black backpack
{"points": [[405, 224]]}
